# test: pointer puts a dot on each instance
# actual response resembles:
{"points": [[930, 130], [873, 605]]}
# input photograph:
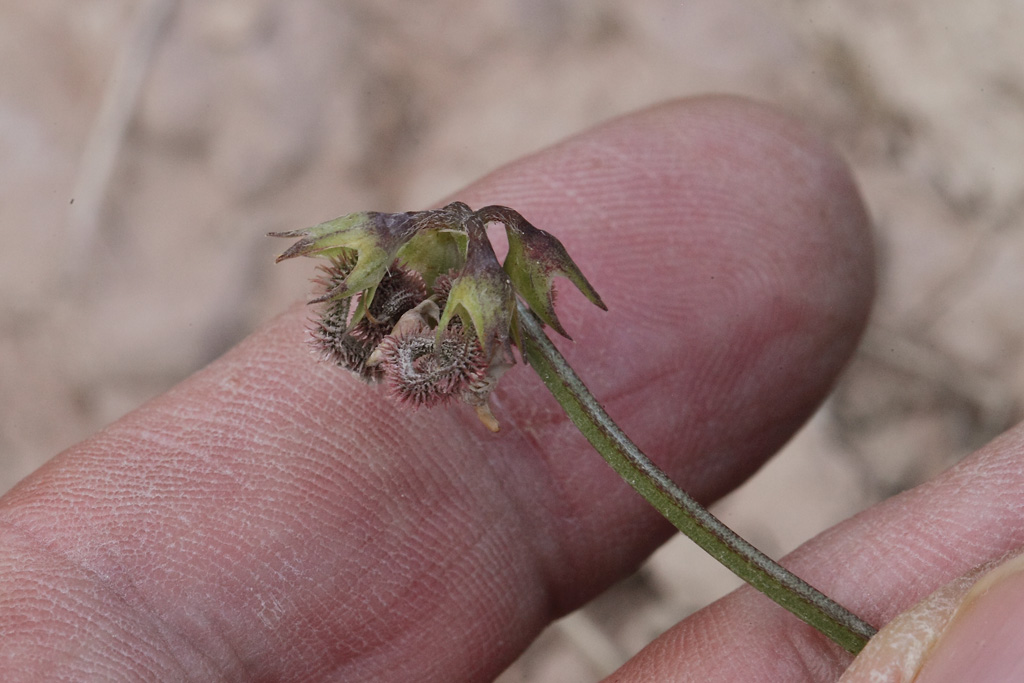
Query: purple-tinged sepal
{"points": [[535, 258], [375, 238], [481, 296]]}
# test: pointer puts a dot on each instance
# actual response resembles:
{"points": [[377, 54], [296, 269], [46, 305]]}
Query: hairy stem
{"points": [[686, 514]]}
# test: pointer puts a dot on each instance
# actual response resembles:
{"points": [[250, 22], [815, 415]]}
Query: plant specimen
{"points": [[419, 301]]}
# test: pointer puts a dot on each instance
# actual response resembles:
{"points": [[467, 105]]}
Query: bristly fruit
{"points": [[434, 312]]}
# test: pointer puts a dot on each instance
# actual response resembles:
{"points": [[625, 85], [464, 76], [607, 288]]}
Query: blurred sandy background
{"points": [[184, 130]]}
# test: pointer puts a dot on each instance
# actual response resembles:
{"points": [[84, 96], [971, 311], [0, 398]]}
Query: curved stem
{"points": [[685, 513]]}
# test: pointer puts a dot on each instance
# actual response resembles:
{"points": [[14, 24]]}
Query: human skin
{"points": [[272, 518]]}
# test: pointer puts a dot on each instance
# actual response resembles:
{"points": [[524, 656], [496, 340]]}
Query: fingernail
{"points": [[984, 642]]}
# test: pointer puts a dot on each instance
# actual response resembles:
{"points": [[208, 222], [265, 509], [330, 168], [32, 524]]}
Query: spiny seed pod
{"points": [[399, 291], [343, 350], [425, 372], [329, 334]]}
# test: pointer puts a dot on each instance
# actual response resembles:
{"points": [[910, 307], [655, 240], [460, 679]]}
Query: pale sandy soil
{"points": [[185, 130]]}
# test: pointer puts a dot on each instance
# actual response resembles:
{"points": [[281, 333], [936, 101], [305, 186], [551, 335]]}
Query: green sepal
{"points": [[482, 295], [364, 304], [434, 252], [375, 237], [535, 258], [484, 303]]}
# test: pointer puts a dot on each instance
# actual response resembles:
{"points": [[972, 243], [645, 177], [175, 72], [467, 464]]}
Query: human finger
{"points": [[273, 518]]}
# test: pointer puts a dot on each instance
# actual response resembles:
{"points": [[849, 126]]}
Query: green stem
{"points": [[689, 516]]}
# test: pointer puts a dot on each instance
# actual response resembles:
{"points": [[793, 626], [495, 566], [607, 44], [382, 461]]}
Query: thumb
{"points": [[968, 630]]}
